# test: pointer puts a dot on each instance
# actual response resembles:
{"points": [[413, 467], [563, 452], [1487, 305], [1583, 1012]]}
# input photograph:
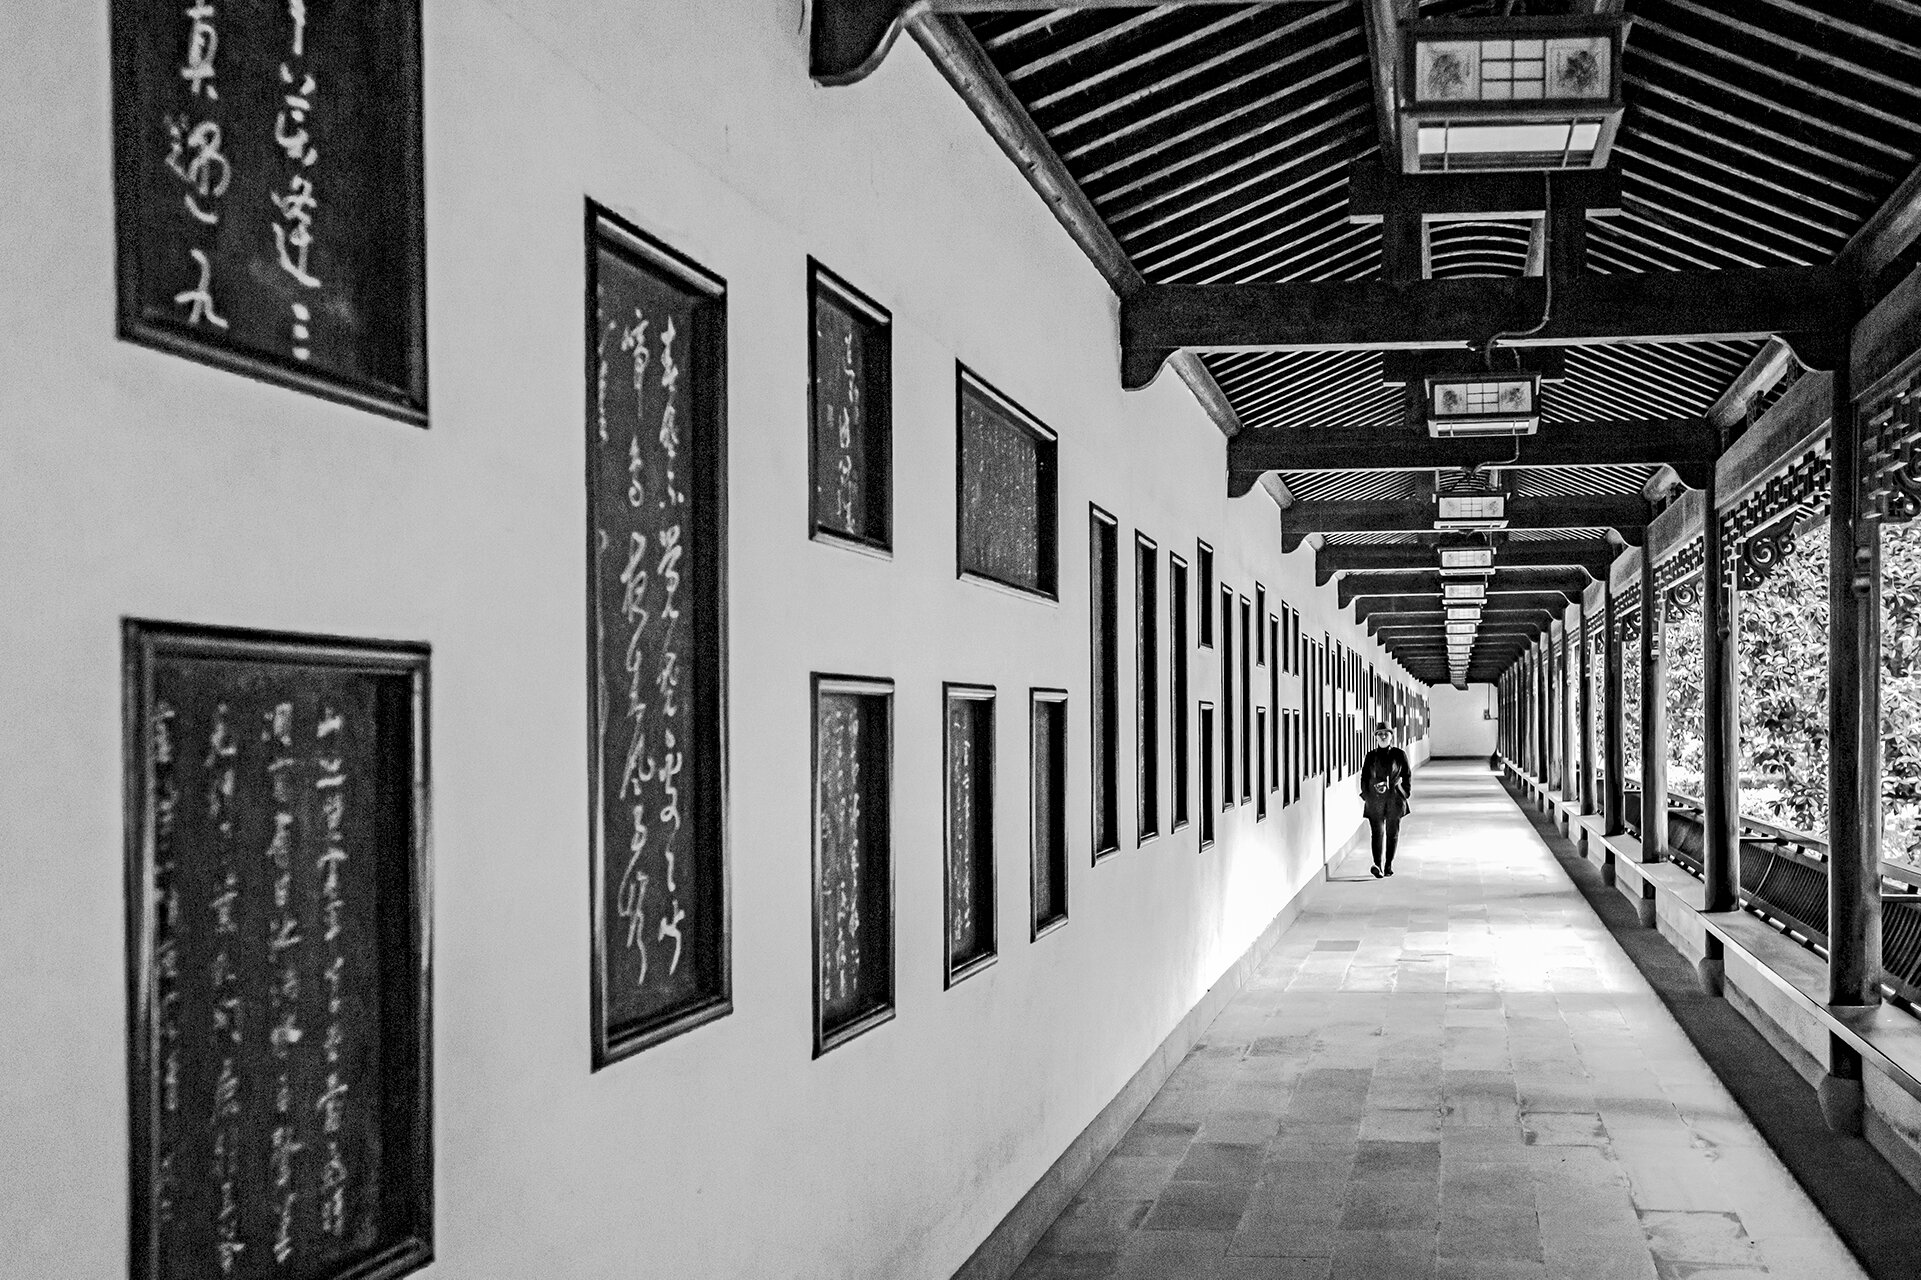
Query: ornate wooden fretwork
{"points": [[1684, 598], [1797, 492], [1681, 566], [1891, 439], [1764, 551]]}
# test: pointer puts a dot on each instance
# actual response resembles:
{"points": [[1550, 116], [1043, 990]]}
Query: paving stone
{"points": [[1477, 1085]]}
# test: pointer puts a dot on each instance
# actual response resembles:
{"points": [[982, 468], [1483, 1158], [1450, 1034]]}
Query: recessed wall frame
{"points": [[850, 415]]}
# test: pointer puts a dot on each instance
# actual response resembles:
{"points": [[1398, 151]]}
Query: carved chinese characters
{"points": [[269, 192], [656, 534], [851, 442], [969, 754], [277, 875], [1006, 499], [853, 858]]}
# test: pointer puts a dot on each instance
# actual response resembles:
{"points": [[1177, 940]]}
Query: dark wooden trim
{"points": [[606, 229], [823, 281], [1654, 716], [1675, 442], [1047, 487], [883, 1012], [952, 973], [1568, 583], [1701, 306], [1591, 556], [1884, 237], [409, 1074], [1376, 191], [1038, 925], [1627, 514], [1103, 625]]}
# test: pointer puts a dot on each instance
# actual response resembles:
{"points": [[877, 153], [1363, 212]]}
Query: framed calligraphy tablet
{"points": [[656, 638], [267, 193], [1005, 501], [851, 444], [277, 944], [853, 858], [1047, 808], [969, 766]]}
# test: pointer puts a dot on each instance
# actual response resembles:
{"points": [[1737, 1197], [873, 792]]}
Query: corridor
{"points": [[1455, 1072]]}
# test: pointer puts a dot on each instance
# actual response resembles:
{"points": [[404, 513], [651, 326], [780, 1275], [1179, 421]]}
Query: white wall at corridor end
{"points": [[1463, 723]]}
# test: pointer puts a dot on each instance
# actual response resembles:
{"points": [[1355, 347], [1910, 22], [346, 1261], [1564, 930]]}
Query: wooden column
{"points": [[1584, 699], [1721, 749], [1654, 716], [1854, 757], [1613, 721]]}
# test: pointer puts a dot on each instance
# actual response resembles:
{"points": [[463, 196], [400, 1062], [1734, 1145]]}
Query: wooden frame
{"points": [[870, 694], [1274, 700], [1104, 708], [1260, 784], [1147, 691], [1046, 481], [1047, 776], [156, 181], [1207, 773], [1227, 696], [166, 667], [1261, 647], [1248, 784], [616, 247], [956, 968], [1178, 680], [875, 391], [1204, 592]]}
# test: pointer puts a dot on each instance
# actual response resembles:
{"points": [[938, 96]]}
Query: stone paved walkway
{"points": [[1454, 1073]]}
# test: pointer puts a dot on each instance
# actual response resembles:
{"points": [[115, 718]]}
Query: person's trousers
{"points": [[1386, 833]]}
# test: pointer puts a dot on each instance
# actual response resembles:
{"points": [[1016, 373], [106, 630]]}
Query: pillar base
{"points": [[1644, 909], [1607, 871], [1710, 971], [1841, 1104]]}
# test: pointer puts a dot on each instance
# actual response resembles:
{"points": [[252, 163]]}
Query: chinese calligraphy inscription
{"points": [[269, 192], [656, 531], [853, 858], [277, 887]]}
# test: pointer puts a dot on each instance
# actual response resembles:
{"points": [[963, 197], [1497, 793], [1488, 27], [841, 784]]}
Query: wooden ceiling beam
{"points": [[1698, 306], [1882, 240], [1375, 191], [1682, 443], [1591, 556], [1426, 584], [848, 38], [1627, 514]]}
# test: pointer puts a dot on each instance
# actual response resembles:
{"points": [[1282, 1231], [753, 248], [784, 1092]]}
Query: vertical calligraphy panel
{"points": [[1047, 820], [277, 931], [656, 638], [969, 757], [853, 858], [268, 192], [851, 440]]}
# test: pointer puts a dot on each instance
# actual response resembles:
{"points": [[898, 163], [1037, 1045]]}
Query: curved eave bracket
{"points": [[849, 38]]}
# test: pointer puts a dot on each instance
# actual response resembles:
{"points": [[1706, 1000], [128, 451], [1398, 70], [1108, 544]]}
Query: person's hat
{"points": [[1382, 728]]}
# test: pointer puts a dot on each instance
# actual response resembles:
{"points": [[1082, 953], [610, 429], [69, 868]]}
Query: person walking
{"points": [[1386, 781]]}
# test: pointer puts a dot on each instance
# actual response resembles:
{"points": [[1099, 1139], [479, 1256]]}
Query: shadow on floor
{"points": [[1870, 1207]]}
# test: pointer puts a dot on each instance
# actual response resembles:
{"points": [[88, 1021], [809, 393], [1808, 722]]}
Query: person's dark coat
{"points": [[1386, 781]]}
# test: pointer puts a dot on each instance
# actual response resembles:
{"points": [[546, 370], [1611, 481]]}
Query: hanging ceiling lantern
{"points": [[1482, 511], [1467, 560], [1511, 93], [1461, 628], [1461, 592], [1464, 613], [1494, 405]]}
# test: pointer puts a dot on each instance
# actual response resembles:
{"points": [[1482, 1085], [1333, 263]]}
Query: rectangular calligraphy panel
{"points": [[1005, 495], [850, 377], [1047, 798], [277, 933], [969, 757], [268, 193], [853, 858], [656, 547]]}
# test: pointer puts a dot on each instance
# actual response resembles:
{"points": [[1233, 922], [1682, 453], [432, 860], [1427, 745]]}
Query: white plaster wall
{"points": [[137, 484], [1458, 728]]}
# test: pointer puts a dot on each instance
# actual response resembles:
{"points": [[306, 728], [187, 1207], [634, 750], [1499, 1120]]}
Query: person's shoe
{"points": [[1376, 872], [1388, 872]]}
